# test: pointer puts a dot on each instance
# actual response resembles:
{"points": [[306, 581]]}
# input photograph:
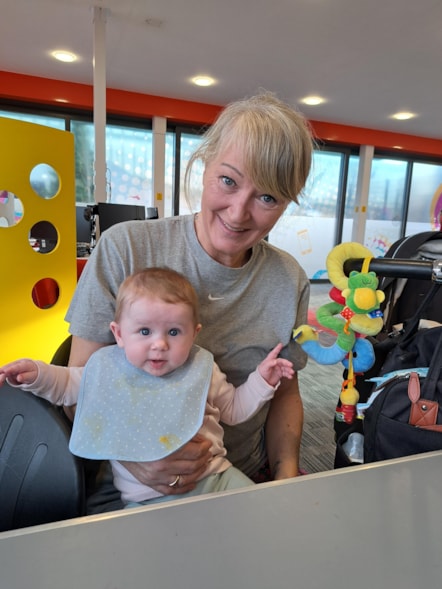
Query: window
{"points": [[169, 173], [47, 121], [128, 162], [405, 195], [186, 142], [386, 203], [350, 198], [308, 231], [425, 206]]}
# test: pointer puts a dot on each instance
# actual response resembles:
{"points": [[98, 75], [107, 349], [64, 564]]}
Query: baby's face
{"points": [[156, 336]]}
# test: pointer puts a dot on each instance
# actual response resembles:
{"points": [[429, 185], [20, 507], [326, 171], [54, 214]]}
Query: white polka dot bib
{"points": [[124, 413]]}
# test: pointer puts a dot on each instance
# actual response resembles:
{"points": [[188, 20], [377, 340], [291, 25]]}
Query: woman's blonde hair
{"points": [[162, 283], [276, 139]]}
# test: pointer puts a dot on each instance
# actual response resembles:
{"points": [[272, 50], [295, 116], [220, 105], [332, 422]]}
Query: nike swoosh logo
{"points": [[211, 298]]}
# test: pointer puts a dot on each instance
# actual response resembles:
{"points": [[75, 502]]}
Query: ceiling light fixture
{"points": [[203, 81], [312, 100], [64, 56], [403, 116]]}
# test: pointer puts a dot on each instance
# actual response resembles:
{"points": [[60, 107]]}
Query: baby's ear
{"points": [[115, 328], [198, 328]]}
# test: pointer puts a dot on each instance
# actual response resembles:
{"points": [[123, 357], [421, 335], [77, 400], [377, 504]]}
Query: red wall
{"points": [[23, 88]]}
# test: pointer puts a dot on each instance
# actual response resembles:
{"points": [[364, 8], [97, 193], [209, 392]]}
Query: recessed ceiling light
{"points": [[65, 56], [312, 100], [203, 81], [403, 116]]}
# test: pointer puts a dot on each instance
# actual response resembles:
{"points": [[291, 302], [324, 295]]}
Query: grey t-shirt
{"points": [[245, 311]]}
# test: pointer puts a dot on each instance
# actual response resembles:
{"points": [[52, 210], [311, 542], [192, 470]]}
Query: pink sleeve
{"points": [[239, 404], [59, 385]]}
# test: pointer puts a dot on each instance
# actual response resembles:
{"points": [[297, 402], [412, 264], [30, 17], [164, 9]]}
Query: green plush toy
{"points": [[353, 313]]}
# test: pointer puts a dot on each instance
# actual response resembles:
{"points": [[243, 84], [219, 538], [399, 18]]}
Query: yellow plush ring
{"points": [[338, 256]]}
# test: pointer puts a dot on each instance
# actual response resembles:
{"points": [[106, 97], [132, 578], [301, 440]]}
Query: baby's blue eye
{"points": [[145, 331], [174, 331]]}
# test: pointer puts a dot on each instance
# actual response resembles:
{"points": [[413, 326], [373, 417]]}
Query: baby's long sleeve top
{"points": [[60, 385]]}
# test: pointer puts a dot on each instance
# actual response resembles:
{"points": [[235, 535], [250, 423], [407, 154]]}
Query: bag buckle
{"points": [[423, 412], [436, 273]]}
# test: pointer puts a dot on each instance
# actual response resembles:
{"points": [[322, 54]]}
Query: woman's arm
{"points": [[81, 350], [284, 430]]}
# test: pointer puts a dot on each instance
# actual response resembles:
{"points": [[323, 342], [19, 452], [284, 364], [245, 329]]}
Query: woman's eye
{"points": [[227, 181], [268, 200], [173, 331], [144, 331]]}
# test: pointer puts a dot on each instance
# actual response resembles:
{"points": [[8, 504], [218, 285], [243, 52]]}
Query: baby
{"points": [[154, 390]]}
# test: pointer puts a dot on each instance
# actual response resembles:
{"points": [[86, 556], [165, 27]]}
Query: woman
{"points": [[256, 159]]}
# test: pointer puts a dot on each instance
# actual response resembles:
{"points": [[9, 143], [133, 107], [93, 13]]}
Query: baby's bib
{"points": [[124, 413]]}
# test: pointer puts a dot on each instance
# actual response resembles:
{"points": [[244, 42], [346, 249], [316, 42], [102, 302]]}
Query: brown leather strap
{"points": [[423, 412]]}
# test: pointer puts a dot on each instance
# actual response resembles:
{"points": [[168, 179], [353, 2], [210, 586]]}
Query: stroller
{"points": [[410, 275], [403, 295]]}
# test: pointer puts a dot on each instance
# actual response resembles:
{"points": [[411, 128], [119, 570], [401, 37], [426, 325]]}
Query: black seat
{"points": [[61, 356], [40, 480]]}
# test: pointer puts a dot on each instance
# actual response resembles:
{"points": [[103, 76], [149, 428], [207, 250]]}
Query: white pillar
{"points": [[366, 153], [99, 19], [159, 125]]}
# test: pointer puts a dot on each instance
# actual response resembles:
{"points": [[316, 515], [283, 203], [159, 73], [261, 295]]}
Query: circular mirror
{"points": [[45, 293], [45, 181], [11, 209], [43, 237]]}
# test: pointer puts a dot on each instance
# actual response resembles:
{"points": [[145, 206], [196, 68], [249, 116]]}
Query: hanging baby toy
{"points": [[353, 314]]}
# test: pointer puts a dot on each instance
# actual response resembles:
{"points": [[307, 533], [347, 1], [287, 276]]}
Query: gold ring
{"points": [[176, 481]]}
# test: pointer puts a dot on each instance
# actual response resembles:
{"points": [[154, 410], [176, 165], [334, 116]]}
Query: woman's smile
{"points": [[230, 227]]}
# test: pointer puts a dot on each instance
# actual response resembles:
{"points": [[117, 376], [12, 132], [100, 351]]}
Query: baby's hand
{"points": [[20, 372], [272, 368]]}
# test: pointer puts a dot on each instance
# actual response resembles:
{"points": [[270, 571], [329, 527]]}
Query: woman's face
{"points": [[235, 215]]}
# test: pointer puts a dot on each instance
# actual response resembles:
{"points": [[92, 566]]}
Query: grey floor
{"points": [[320, 388]]}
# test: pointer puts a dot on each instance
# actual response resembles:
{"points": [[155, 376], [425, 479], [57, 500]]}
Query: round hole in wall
{"points": [[45, 181], [11, 209], [45, 293], [43, 237]]}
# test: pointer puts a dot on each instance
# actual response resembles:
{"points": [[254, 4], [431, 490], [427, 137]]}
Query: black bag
{"points": [[406, 416], [401, 350]]}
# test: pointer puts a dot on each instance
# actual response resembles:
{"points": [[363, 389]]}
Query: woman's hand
{"points": [[189, 463]]}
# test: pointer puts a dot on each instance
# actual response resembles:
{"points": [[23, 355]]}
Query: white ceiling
{"points": [[369, 58]]}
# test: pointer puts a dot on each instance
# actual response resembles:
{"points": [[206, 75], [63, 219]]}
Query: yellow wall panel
{"points": [[27, 329]]}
